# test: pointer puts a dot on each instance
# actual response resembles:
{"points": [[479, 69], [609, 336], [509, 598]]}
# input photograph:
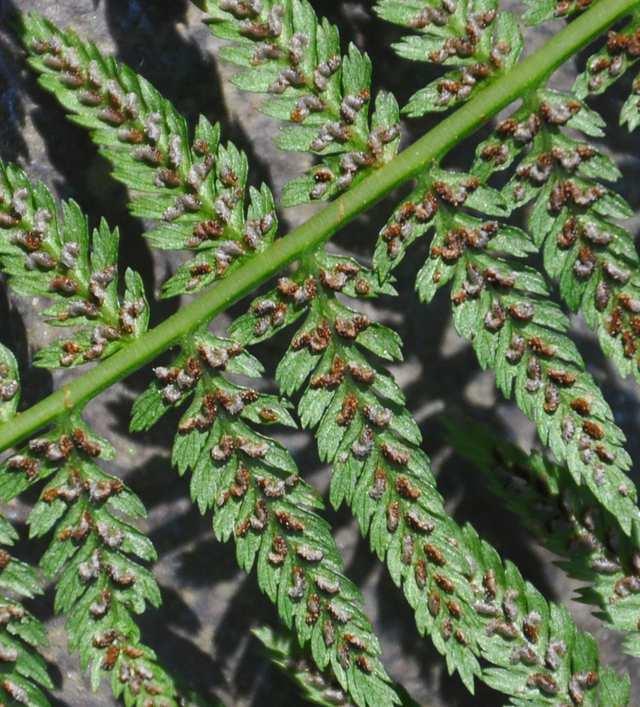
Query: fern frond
{"points": [[541, 656], [24, 672], [568, 520], [620, 52], [474, 36], [315, 687], [619, 494], [197, 189], [630, 113], [503, 308], [543, 10], [474, 605], [100, 586], [49, 253], [286, 52], [94, 556], [471, 604], [573, 219], [299, 565], [257, 496], [365, 432]]}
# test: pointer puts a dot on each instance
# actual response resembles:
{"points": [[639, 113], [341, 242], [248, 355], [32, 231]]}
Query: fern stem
{"points": [[320, 227]]}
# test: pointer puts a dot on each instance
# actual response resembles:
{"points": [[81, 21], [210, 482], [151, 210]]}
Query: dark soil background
{"points": [[202, 632]]}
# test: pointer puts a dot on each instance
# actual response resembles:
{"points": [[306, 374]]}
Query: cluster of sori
{"points": [[567, 519], [100, 586], [24, 673], [471, 604], [572, 221], [249, 480], [620, 52], [253, 486], [50, 255], [474, 36], [9, 384], [522, 337], [592, 258], [542, 10], [197, 190], [521, 334], [362, 428], [288, 54]]}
